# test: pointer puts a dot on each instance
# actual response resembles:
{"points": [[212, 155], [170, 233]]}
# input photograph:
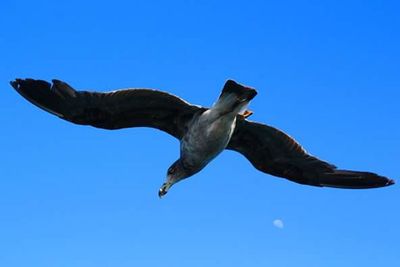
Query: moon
{"points": [[278, 223]]}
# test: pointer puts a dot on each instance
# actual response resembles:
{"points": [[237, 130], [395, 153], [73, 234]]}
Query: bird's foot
{"points": [[247, 113]]}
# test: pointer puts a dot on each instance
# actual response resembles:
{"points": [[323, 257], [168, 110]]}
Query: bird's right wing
{"points": [[274, 152], [110, 110]]}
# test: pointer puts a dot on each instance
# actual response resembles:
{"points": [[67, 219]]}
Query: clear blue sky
{"points": [[327, 72]]}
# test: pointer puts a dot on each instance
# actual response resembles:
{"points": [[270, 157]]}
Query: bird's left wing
{"points": [[110, 110], [274, 152]]}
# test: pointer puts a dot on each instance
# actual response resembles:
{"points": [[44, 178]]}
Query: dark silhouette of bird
{"points": [[203, 132]]}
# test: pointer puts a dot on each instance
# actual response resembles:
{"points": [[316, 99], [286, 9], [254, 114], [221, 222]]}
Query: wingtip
{"points": [[390, 182], [15, 83]]}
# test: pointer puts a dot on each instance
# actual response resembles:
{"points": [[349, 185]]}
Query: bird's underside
{"points": [[268, 149]]}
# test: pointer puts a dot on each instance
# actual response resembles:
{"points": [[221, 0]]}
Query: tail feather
{"points": [[239, 90], [46, 96], [353, 179]]}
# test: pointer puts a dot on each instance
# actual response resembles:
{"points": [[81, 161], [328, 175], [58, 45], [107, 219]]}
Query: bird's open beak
{"points": [[164, 189]]}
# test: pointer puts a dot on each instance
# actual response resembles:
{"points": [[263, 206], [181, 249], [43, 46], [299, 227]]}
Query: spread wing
{"points": [[110, 110], [273, 152]]}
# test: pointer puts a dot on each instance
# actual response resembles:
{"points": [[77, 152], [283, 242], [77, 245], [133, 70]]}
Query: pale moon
{"points": [[278, 223]]}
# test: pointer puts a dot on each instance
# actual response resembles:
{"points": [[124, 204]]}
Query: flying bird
{"points": [[203, 132]]}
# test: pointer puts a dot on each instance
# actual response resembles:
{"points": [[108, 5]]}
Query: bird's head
{"points": [[175, 173]]}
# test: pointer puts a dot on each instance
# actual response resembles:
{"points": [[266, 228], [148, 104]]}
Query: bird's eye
{"points": [[171, 170]]}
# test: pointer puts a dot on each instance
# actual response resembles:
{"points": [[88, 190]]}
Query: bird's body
{"points": [[209, 133], [206, 138], [203, 132]]}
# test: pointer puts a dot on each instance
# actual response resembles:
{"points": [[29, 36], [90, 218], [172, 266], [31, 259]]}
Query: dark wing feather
{"points": [[272, 151], [111, 110]]}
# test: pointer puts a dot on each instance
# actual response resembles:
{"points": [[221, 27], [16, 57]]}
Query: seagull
{"points": [[203, 132]]}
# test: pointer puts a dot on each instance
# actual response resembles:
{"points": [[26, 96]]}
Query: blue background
{"points": [[327, 72]]}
